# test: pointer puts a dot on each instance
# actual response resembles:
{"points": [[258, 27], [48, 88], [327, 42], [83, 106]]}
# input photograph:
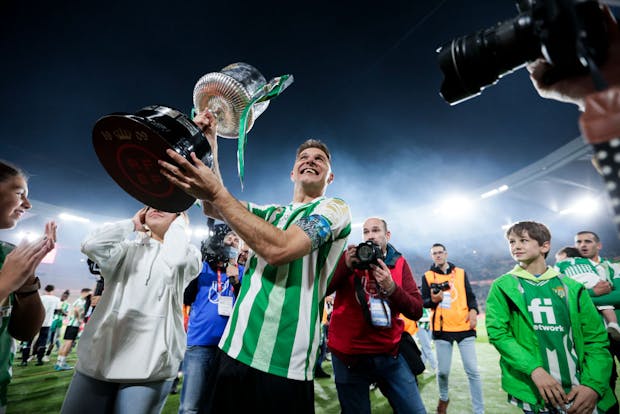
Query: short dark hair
{"points": [[314, 143], [8, 170], [49, 288], [535, 230], [86, 290], [439, 245], [596, 238], [570, 251]]}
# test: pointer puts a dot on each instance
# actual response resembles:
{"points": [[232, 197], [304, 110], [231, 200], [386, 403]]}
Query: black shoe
{"points": [[39, 363], [24, 363], [319, 373]]}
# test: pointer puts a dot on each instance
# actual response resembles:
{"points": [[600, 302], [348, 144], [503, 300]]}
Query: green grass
{"points": [[41, 390]]}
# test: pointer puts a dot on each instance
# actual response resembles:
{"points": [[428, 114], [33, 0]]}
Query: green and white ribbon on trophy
{"points": [[237, 95], [267, 92]]}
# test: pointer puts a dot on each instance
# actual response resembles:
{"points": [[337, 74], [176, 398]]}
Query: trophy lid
{"points": [[130, 145], [226, 93]]}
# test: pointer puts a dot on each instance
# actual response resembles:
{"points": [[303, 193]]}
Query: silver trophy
{"points": [[237, 95], [227, 93]]}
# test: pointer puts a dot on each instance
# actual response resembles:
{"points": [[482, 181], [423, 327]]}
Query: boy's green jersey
{"points": [[547, 304], [547, 322]]}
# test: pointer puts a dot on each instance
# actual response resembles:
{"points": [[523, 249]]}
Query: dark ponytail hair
{"points": [[8, 170]]}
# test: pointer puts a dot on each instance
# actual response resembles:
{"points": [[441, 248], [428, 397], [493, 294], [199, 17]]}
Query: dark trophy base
{"points": [[129, 146]]}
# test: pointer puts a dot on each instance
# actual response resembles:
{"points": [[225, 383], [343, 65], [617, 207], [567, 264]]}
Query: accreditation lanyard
{"points": [[219, 281]]}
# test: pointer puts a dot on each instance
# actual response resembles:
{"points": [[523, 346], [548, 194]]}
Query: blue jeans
{"points": [[467, 349], [197, 365], [424, 336], [87, 394], [392, 375]]}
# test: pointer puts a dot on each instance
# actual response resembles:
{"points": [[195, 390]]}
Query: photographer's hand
{"points": [[436, 297], [349, 256], [575, 89], [383, 276], [232, 272]]}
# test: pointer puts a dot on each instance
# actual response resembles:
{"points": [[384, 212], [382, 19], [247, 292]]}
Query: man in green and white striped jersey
{"points": [[270, 343]]}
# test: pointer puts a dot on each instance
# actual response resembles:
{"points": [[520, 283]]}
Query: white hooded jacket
{"points": [[136, 331]]}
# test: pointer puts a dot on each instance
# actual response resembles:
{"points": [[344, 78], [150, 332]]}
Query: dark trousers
{"points": [[238, 388], [42, 342]]}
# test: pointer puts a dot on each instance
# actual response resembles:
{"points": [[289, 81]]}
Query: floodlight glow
{"points": [[454, 206], [71, 217], [586, 206], [200, 232], [490, 193], [494, 191]]}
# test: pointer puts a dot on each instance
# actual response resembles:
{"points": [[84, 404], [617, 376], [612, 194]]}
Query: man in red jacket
{"points": [[365, 330]]}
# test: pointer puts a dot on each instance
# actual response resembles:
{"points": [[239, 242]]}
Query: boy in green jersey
{"points": [[554, 358]]}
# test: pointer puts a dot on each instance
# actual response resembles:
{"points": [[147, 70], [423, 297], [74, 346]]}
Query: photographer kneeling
{"points": [[373, 284]]}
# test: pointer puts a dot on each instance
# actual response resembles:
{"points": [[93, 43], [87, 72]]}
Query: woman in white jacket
{"points": [[131, 347]]}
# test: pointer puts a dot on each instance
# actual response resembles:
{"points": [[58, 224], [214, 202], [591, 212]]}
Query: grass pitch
{"points": [[40, 389]]}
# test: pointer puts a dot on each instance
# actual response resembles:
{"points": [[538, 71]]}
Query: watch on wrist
{"points": [[30, 288]]}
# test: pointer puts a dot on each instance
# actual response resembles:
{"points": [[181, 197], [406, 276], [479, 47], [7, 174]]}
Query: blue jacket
{"points": [[206, 325]]}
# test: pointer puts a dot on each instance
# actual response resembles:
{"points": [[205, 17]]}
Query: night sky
{"points": [[366, 83]]}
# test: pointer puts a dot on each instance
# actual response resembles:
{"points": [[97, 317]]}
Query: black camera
{"points": [[367, 253], [565, 32], [438, 287]]}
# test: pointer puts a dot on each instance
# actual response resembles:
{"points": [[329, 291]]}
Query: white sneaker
{"points": [[46, 358], [614, 330]]}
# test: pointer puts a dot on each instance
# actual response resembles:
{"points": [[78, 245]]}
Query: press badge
{"points": [[380, 314], [446, 301], [225, 305]]}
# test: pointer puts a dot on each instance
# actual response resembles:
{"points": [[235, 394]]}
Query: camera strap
{"points": [[378, 314], [361, 298]]}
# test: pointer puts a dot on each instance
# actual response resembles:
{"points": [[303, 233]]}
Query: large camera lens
{"points": [[366, 253], [561, 31], [472, 62]]}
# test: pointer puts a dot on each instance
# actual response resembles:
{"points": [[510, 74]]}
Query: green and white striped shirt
{"points": [[275, 324]]}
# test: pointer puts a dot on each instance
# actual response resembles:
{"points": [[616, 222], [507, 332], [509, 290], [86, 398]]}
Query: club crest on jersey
{"points": [[560, 291]]}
